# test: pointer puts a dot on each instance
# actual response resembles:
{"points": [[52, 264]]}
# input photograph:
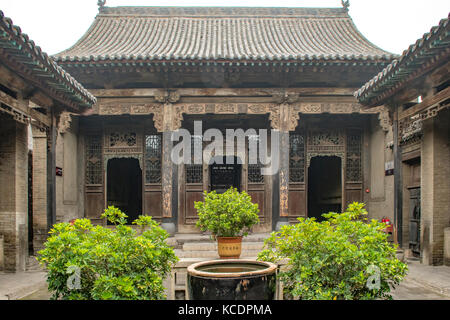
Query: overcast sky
{"points": [[393, 25]]}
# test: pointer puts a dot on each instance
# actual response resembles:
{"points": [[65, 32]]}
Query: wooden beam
{"points": [[426, 103], [23, 106], [222, 92]]}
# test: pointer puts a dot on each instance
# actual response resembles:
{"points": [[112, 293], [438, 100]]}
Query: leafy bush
{"points": [[112, 263], [345, 257], [229, 214]]}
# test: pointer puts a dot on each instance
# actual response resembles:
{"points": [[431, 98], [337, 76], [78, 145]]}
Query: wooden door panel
{"points": [[94, 205], [353, 193], [297, 203], [191, 197], [259, 198], [153, 203]]}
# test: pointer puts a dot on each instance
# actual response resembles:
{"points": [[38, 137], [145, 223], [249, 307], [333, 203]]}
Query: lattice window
{"points": [[194, 172], [254, 169], [354, 144], [94, 167], [296, 158], [153, 147]]}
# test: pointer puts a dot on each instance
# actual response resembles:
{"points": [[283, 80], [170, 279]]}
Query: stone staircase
{"points": [[200, 246]]}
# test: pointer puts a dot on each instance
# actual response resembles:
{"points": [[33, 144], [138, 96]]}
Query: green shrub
{"points": [[117, 262], [229, 214], [345, 257]]}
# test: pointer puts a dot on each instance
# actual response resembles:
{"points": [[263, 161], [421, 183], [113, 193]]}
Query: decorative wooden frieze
{"points": [[135, 109], [325, 142], [226, 108], [335, 108], [122, 140]]}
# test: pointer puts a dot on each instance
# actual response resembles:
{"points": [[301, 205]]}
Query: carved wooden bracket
{"points": [[168, 96], [283, 97], [65, 121]]}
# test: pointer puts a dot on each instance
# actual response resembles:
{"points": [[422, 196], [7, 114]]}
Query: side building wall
{"points": [[435, 187], [69, 190], [381, 187]]}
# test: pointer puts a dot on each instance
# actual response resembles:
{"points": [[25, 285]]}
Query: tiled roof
{"points": [[433, 47], [23, 56], [190, 34]]}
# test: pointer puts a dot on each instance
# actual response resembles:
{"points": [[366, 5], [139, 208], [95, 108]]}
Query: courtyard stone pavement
{"points": [[421, 283]]}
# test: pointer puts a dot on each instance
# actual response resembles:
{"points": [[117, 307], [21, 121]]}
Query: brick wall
{"points": [[14, 192], [39, 188], [435, 187]]}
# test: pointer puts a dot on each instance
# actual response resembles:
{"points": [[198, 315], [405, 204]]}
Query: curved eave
{"points": [[304, 61], [428, 52], [21, 55]]}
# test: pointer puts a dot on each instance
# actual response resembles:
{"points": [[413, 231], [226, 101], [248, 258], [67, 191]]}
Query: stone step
{"points": [[182, 238], [211, 246], [211, 254]]}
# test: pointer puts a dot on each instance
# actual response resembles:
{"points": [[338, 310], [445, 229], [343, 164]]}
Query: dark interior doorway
{"points": [[225, 172], [324, 186], [124, 187]]}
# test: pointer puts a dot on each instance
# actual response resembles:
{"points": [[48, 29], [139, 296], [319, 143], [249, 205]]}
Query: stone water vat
{"points": [[231, 279]]}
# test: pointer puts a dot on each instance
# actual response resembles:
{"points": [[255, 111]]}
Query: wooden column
{"points": [[169, 175], [398, 185], [283, 172], [167, 167], [51, 174]]}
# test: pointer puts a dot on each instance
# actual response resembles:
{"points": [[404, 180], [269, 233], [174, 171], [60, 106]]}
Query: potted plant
{"points": [[228, 216]]}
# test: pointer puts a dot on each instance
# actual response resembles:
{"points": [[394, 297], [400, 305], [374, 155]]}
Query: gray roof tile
{"points": [[219, 33]]}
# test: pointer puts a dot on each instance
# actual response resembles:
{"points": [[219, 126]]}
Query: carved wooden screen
{"points": [[256, 181], [193, 186], [297, 157], [153, 175], [353, 170], [94, 198]]}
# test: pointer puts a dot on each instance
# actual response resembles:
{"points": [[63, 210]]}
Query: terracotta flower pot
{"points": [[229, 247]]}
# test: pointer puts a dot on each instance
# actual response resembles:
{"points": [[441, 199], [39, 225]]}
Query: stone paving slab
{"points": [[14, 286], [435, 278]]}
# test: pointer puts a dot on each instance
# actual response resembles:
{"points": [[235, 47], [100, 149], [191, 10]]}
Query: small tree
{"points": [[229, 214], [87, 262], [345, 257]]}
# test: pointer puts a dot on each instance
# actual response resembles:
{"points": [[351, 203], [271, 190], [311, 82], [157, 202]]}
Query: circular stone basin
{"points": [[231, 280]]}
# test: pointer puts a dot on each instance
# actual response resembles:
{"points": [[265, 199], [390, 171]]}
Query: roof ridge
{"points": [[201, 11]]}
